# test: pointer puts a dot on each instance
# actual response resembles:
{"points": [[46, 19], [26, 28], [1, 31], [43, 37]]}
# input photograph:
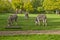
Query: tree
{"points": [[40, 9], [27, 5], [37, 5], [52, 5], [15, 4], [5, 6]]}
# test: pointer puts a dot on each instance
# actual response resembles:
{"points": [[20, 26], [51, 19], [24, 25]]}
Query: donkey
{"points": [[11, 19], [26, 15], [41, 17]]}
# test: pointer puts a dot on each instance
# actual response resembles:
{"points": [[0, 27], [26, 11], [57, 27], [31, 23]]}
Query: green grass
{"points": [[31, 37], [52, 19]]}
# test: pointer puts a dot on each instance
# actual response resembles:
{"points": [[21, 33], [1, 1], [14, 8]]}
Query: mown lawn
{"points": [[52, 19], [31, 37]]}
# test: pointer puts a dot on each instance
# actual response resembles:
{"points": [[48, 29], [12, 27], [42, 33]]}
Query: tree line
{"points": [[33, 6]]}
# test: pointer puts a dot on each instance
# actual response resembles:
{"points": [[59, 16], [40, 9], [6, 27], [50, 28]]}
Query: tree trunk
{"points": [[57, 12]]}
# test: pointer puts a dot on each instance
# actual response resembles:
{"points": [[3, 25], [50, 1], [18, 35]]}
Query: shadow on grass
{"points": [[31, 20], [30, 25], [53, 21]]}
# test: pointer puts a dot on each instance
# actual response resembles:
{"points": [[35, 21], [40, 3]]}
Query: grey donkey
{"points": [[11, 19], [39, 18], [26, 15]]}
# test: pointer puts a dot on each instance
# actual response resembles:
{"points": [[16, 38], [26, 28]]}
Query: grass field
{"points": [[31, 37], [52, 19]]}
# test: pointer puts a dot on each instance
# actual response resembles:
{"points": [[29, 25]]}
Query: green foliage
{"points": [[37, 5], [5, 6], [28, 5], [51, 4], [16, 4], [39, 9]]}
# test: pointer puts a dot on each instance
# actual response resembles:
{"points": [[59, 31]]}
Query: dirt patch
{"points": [[2, 33]]}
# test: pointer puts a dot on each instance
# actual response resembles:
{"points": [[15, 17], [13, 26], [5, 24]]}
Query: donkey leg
{"points": [[45, 22], [9, 23], [38, 22]]}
